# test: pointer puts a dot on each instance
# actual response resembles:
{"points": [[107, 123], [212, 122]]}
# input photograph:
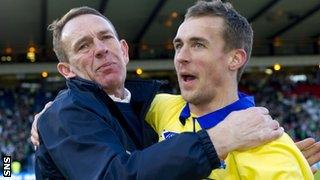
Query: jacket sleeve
{"points": [[83, 146]]}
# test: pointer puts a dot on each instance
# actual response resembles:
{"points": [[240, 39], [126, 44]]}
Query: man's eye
{"points": [[199, 45], [107, 37], [83, 46], [177, 45]]}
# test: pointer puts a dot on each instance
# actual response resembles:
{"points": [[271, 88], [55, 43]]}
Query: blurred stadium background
{"points": [[283, 73]]}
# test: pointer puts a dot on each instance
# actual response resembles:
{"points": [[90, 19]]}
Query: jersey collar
{"points": [[212, 119]]}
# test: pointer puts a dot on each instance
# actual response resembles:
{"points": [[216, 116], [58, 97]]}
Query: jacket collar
{"points": [[83, 84], [142, 94], [142, 91]]}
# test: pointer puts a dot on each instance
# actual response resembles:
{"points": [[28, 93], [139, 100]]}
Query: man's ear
{"points": [[65, 70], [238, 59], [125, 50]]}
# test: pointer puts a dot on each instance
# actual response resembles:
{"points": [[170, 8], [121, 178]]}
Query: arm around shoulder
{"points": [[83, 146]]}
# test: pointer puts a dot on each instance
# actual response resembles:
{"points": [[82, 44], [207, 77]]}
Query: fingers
{"points": [[34, 135], [267, 117], [314, 159], [34, 130], [271, 123], [274, 125], [47, 105], [312, 154], [271, 130], [45, 108], [275, 134], [312, 150], [35, 141], [262, 110], [305, 144], [314, 170]]}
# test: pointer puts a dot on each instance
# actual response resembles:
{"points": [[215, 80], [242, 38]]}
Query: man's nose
{"points": [[101, 49], [183, 55]]}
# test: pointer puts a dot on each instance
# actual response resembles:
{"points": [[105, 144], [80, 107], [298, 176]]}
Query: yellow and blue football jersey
{"points": [[279, 159]]}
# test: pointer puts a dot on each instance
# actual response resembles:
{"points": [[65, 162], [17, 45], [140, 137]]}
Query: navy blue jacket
{"points": [[83, 135]]}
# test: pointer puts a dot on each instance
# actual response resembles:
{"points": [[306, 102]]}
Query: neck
{"points": [[119, 93], [222, 99]]}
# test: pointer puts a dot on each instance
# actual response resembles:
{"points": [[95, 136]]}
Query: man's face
{"points": [[200, 60], [94, 52]]}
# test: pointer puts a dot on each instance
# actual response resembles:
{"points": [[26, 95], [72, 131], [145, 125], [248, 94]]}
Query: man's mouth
{"points": [[187, 77], [105, 66]]}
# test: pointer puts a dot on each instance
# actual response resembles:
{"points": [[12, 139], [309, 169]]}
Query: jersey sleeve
{"points": [[155, 111], [280, 159]]}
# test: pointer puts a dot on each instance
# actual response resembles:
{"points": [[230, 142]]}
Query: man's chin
{"points": [[111, 82], [187, 96]]}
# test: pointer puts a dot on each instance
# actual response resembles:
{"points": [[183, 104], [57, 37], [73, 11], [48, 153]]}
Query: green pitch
{"points": [[317, 176]]}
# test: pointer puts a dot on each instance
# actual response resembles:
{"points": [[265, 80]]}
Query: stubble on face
{"points": [[208, 63]]}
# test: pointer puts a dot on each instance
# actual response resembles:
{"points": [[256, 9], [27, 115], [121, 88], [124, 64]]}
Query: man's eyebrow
{"points": [[193, 39], [176, 40], [79, 41], [198, 39], [105, 32]]}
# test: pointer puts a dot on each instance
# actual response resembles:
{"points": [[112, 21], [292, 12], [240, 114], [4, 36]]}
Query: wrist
{"points": [[209, 149], [220, 143]]}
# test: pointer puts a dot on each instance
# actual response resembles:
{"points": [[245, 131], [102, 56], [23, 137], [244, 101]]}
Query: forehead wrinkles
{"points": [[84, 25], [81, 21]]}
